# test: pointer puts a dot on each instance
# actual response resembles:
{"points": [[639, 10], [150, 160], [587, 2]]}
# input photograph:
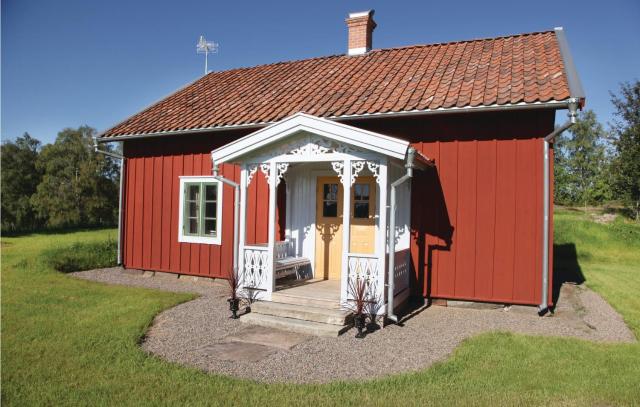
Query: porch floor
{"points": [[327, 290]]}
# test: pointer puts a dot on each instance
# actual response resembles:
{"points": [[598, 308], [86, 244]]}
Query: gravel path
{"points": [[186, 333]]}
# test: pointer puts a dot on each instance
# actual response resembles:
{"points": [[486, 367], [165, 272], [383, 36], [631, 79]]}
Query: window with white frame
{"points": [[200, 209]]}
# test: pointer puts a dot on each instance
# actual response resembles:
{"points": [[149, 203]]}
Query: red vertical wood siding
{"points": [[476, 225], [477, 217]]}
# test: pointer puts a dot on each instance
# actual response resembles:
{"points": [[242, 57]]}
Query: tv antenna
{"points": [[205, 47]]}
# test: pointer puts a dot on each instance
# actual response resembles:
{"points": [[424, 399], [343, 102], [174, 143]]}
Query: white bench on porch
{"points": [[286, 264]]}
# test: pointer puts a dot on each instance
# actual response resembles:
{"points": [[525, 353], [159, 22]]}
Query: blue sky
{"points": [[71, 62]]}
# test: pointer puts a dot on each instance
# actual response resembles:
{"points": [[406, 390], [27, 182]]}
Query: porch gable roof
{"points": [[339, 132]]}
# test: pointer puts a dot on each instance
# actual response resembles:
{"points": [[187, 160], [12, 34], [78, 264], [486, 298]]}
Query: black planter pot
{"points": [[234, 306], [359, 321]]}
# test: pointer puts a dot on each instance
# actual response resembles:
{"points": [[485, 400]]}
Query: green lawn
{"points": [[67, 341]]}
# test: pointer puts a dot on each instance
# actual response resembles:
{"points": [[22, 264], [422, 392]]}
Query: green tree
{"points": [[79, 186], [581, 175], [626, 130], [20, 178]]}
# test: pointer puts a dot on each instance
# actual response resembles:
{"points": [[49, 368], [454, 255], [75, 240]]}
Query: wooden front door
{"points": [[328, 228], [363, 213]]}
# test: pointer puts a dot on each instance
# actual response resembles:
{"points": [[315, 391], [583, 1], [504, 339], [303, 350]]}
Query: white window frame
{"points": [[217, 239]]}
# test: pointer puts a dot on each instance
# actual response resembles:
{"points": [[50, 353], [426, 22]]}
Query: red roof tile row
{"points": [[522, 68]]}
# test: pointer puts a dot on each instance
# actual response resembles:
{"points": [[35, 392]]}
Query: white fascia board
{"points": [[342, 133]]}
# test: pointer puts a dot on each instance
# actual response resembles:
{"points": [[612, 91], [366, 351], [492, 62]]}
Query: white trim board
{"points": [[341, 133], [182, 238]]}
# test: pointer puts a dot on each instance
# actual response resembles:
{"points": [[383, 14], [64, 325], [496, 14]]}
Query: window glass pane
{"points": [[193, 226], [193, 192], [210, 227], [211, 192], [210, 210], [361, 210], [330, 209], [192, 209]]}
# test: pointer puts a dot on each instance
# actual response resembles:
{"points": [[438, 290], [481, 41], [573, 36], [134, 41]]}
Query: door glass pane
{"points": [[330, 200], [210, 227], [361, 210], [330, 192], [330, 209], [361, 192]]}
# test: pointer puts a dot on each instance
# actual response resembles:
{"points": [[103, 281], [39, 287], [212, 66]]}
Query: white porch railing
{"points": [[367, 267], [256, 273]]}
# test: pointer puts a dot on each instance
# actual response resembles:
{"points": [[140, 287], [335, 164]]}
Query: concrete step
{"points": [[286, 298], [306, 313], [294, 325]]}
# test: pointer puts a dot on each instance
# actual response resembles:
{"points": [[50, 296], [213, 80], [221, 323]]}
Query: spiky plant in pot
{"points": [[358, 291], [234, 299]]}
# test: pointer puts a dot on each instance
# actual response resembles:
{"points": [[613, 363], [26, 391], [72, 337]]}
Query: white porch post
{"points": [[383, 235], [273, 180], [346, 230], [243, 222]]}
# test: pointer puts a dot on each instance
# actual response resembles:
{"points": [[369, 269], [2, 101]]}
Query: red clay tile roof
{"points": [[524, 68]]}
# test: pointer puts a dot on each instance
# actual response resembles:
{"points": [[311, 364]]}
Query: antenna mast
{"points": [[205, 47]]}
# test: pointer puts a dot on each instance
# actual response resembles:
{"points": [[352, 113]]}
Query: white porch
{"points": [[338, 180]]}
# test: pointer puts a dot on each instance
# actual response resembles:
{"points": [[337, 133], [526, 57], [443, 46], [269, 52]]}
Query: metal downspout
{"points": [[121, 158], [236, 214], [392, 227], [544, 302]]}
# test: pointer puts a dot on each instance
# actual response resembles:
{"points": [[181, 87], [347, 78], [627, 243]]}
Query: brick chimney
{"points": [[361, 26]]}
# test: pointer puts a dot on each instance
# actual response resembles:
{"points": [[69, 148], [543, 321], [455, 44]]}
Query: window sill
{"points": [[199, 240]]}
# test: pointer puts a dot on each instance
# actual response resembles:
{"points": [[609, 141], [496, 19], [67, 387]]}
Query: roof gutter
{"points": [[236, 213], [546, 193], [411, 163], [564, 104]]}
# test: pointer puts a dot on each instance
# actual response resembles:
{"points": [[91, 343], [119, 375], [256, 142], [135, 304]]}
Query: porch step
{"points": [[294, 325], [287, 298], [307, 313]]}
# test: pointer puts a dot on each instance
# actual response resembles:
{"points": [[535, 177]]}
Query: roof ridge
{"points": [[379, 50]]}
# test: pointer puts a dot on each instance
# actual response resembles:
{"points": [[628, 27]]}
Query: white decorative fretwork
{"points": [[282, 169], [374, 167], [251, 171], [312, 145], [256, 267], [265, 168], [338, 167], [356, 167]]}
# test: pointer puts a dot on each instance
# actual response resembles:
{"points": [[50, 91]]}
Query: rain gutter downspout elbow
{"points": [[392, 226], [120, 200], [573, 108], [236, 213]]}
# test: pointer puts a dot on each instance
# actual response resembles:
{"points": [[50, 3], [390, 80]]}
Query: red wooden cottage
{"points": [[425, 170]]}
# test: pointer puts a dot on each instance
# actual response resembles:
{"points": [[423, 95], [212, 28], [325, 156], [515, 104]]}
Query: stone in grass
{"points": [[238, 351], [268, 336]]}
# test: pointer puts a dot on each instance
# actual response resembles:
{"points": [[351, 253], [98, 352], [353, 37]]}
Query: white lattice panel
{"points": [[257, 268]]}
